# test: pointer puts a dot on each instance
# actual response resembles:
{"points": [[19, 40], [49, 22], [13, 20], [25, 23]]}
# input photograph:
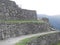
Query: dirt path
{"points": [[12, 41]]}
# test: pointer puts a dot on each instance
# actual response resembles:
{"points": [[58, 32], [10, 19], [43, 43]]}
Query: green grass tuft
{"points": [[23, 42], [21, 21]]}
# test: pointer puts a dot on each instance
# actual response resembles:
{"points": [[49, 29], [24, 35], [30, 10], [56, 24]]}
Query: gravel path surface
{"points": [[12, 41]]}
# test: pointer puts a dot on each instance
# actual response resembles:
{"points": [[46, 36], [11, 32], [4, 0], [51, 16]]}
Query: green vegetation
{"points": [[57, 43], [20, 21], [25, 41]]}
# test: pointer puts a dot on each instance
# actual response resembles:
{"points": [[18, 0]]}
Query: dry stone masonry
{"points": [[10, 11], [13, 30], [31, 14]]}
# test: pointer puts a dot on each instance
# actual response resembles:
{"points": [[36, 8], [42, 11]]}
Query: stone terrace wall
{"points": [[48, 39], [13, 30], [29, 14], [9, 10]]}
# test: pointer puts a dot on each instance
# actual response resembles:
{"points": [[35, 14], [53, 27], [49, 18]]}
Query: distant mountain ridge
{"points": [[54, 20]]}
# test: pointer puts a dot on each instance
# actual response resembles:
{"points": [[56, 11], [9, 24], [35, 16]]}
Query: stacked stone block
{"points": [[14, 30], [10, 11], [31, 14]]}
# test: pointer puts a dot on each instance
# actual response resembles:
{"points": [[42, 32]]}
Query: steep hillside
{"points": [[54, 20]]}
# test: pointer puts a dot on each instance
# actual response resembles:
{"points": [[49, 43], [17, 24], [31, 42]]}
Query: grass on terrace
{"points": [[57, 43], [21, 21], [25, 41]]}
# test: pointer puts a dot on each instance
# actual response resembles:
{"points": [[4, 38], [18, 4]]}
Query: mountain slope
{"points": [[54, 20]]}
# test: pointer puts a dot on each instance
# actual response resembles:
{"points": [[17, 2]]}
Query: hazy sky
{"points": [[49, 7]]}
